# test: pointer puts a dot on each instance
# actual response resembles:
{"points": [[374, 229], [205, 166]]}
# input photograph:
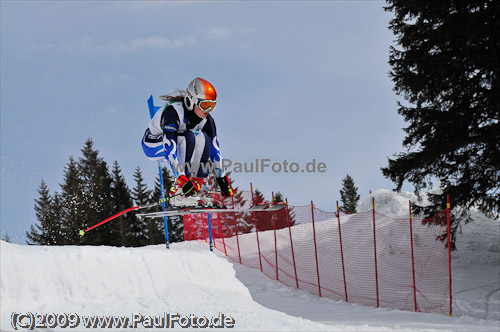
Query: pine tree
{"points": [[264, 220], [97, 188], [49, 230], [6, 238], [446, 67], [279, 198], [37, 233], [281, 214], [349, 194], [142, 196], [127, 225], [57, 215], [72, 203], [258, 197]]}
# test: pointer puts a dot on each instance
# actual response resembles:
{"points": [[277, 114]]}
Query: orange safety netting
{"points": [[366, 258]]}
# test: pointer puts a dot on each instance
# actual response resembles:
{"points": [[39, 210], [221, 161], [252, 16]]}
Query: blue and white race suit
{"points": [[188, 143]]}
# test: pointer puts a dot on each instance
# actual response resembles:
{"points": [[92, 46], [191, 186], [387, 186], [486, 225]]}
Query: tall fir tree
{"points": [[48, 232], [97, 199], [37, 233], [349, 195], [446, 67], [72, 203], [57, 214], [143, 196], [125, 226]]}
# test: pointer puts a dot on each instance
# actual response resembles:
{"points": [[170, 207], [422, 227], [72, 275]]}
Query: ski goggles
{"points": [[207, 105]]}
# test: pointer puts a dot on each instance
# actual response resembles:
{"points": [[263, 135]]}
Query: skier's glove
{"points": [[225, 186], [189, 187]]}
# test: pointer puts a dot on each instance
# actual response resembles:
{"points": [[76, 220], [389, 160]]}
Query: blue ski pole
{"points": [[209, 221], [152, 110], [210, 232]]}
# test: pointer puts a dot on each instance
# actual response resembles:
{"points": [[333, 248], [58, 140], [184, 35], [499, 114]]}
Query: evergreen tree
{"points": [[349, 195], [57, 214], [49, 230], [264, 220], [127, 225], [72, 203], [38, 233], [142, 196], [97, 199], [281, 214], [258, 197], [446, 66], [279, 198], [6, 238], [89, 194]]}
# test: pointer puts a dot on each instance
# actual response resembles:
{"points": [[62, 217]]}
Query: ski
{"points": [[179, 211], [197, 210]]}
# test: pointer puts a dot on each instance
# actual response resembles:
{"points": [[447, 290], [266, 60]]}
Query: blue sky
{"points": [[296, 81]]}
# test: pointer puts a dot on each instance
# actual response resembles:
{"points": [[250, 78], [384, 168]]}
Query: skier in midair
{"points": [[183, 133]]}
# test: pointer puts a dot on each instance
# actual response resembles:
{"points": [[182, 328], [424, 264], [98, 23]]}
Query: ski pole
{"points": [[82, 232], [210, 232], [152, 110]]}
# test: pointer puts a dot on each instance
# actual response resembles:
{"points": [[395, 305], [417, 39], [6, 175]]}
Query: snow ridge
{"points": [[188, 278]]}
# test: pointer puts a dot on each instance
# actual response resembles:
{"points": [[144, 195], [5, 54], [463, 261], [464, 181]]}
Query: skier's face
{"points": [[199, 112]]}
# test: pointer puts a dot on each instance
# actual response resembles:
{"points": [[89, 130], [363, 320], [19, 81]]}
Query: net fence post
{"points": [[375, 251], [315, 247], [236, 230], [220, 218], [449, 249], [275, 239], [413, 261], [222, 235], [256, 227], [291, 243], [342, 252]]}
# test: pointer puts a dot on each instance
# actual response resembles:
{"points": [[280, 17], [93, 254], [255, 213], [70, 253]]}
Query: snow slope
{"points": [[476, 270], [188, 278]]}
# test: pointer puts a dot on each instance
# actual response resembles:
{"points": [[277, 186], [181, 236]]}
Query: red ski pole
{"points": [[82, 232]]}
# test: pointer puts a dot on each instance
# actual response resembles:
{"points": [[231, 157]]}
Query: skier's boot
{"points": [[190, 193], [210, 199]]}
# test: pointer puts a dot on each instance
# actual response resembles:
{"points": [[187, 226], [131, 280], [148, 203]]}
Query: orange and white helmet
{"points": [[200, 92]]}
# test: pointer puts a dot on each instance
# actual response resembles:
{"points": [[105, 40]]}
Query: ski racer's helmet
{"points": [[200, 92]]}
